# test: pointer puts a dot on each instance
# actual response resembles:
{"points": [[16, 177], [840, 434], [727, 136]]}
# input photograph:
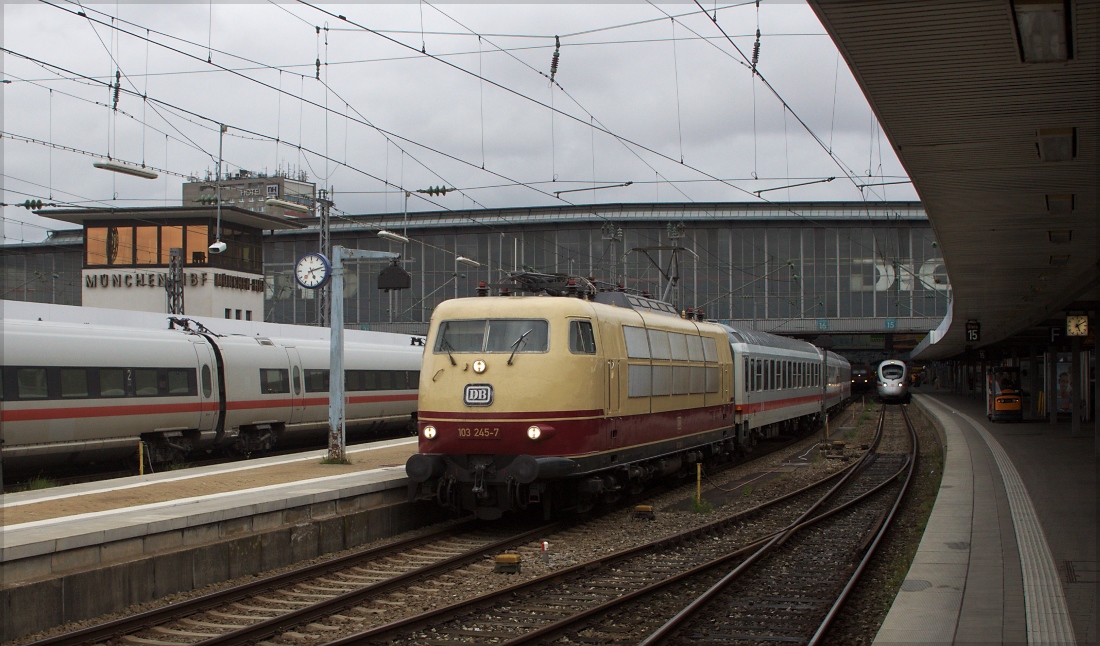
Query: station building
{"points": [[869, 275]]}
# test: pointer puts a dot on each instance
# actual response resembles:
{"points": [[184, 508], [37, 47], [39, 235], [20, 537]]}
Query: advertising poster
{"points": [[1064, 388]]}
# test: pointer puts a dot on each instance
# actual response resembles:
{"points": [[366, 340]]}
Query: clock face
{"points": [[1077, 325], [312, 271]]}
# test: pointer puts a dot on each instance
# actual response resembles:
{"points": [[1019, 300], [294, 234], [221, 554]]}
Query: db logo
{"points": [[478, 395]]}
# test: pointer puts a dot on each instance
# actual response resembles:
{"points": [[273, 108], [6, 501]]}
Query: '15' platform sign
{"points": [[973, 331]]}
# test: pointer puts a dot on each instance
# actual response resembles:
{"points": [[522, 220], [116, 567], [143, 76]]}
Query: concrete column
{"points": [[1033, 380], [1076, 387], [1052, 385]]}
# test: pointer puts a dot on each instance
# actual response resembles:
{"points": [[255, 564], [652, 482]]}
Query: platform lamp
{"points": [[219, 246], [463, 260]]}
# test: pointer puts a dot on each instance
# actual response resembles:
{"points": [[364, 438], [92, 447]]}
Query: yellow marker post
{"points": [[141, 458], [699, 482]]}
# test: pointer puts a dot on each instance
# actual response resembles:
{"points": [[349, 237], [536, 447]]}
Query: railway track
{"points": [[271, 604], [322, 601], [597, 601]]}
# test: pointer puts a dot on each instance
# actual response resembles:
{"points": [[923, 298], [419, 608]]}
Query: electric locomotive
{"points": [[892, 382], [566, 402]]}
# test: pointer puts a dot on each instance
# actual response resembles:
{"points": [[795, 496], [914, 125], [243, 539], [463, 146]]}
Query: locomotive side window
{"points": [[681, 380], [695, 348], [679, 345], [112, 383], [662, 380], [145, 383], [207, 385], [274, 381], [316, 381], [581, 340], [32, 383], [710, 350], [712, 380], [74, 382], [658, 344], [637, 343], [639, 381]]}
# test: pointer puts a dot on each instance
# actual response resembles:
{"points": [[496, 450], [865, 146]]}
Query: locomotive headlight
{"points": [[429, 432], [479, 366], [534, 432]]}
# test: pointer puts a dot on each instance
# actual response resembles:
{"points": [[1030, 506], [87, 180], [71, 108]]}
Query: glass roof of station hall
{"points": [[794, 212]]}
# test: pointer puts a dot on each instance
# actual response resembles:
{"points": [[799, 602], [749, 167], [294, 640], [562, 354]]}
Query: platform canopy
{"points": [[991, 106], [230, 215]]}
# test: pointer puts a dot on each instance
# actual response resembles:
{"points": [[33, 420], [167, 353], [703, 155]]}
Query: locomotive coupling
{"points": [[422, 467]]}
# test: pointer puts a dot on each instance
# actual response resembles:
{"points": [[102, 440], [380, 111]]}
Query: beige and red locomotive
{"points": [[563, 402]]}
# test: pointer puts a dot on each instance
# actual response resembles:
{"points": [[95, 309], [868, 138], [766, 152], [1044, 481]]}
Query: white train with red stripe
{"points": [[74, 393], [561, 402]]}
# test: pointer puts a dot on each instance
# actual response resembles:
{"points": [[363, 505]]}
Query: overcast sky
{"points": [[636, 90]]}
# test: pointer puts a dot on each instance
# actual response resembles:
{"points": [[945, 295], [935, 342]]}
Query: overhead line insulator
{"points": [[554, 59]]}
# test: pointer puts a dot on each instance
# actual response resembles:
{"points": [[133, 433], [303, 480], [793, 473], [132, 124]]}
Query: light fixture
{"points": [[429, 432], [534, 432], [1059, 260], [1060, 204], [469, 262], [390, 235], [286, 204], [1043, 30], [126, 169], [1061, 236], [1057, 144]]}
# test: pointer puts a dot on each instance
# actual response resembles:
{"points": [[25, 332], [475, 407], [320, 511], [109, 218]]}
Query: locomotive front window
{"points": [[493, 335], [892, 372], [521, 335]]}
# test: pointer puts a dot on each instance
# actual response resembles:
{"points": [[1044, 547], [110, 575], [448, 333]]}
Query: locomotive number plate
{"points": [[479, 433], [478, 395]]}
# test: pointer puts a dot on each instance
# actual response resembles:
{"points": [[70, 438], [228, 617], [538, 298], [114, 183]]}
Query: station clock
{"points": [[313, 270], [1077, 325]]}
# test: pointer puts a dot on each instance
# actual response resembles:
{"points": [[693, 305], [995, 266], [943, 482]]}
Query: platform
{"points": [[1009, 555], [79, 551]]}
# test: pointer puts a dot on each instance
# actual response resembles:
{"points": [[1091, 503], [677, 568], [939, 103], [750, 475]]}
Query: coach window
{"points": [[74, 382], [181, 381], [412, 377], [112, 383], [145, 383], [274, 381], [581, 340], [32, 383], [297, 383], [316, 381], [207, 384]]}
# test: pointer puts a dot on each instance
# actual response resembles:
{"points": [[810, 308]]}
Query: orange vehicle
{"points": [[1004, 400]]}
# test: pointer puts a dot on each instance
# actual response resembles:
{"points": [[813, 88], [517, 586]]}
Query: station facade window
{"points": [[149, 244]]}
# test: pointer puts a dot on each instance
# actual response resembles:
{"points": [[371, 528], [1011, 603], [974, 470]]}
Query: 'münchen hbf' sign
{"points": [[158, 279]]}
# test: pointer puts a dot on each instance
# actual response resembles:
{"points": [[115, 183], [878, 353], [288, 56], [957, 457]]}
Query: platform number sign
{"points": [[973, 331]]}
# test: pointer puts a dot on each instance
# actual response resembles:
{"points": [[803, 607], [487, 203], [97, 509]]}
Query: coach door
{"points": [[208, 387], [297, 396]]}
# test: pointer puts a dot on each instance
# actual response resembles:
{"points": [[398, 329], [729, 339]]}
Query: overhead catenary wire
{"points": [[522, 183]]}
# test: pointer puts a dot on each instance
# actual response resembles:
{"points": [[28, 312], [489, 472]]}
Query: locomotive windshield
{"points": [[892, 371], [493, 335]]}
